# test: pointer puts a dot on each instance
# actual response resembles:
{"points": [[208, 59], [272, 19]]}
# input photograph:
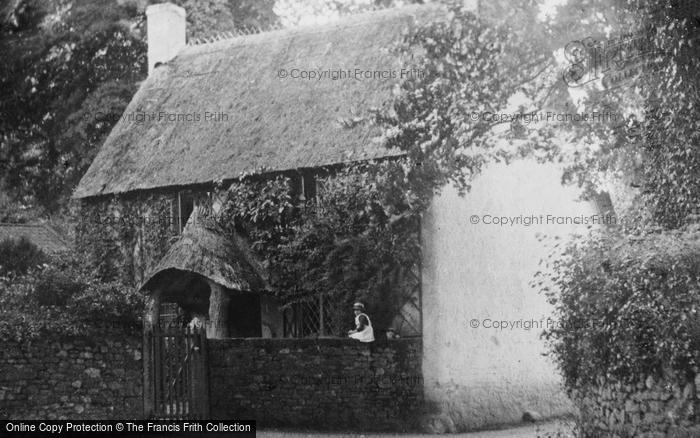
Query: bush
{"points": [[627, 307], [64, 297], [57, 283], [18, 256], [104, 302]]}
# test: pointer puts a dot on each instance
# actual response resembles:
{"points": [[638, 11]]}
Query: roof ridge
{"points": [[256, 30], [23, 224], [272, 117], [42, 234], [45, 225]]}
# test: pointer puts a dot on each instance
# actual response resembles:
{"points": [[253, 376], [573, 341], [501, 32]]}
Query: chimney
{"points": [[166, 33], [472, 6]]}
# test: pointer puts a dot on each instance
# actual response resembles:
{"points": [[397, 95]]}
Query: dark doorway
{"points": [[244, 316]]}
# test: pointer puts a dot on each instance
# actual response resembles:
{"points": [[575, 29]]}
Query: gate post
{"points": [[150, 321], [205, 375], [219, 298], [200, 373]]}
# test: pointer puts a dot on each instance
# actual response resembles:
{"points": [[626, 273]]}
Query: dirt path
{"points": [[545, 430]]}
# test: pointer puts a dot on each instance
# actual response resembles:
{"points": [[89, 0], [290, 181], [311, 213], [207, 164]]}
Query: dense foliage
{"points": [[626, 308], [347, 244], [438, 118], [17, 256], [639, 64], [627, 297], [64, 80], [359, 238], [63, 297], [122, 238], [69, 69]]}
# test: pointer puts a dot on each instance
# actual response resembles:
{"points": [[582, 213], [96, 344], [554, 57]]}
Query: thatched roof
{"points": [[205, 251], [273, 123], [42, 235]]}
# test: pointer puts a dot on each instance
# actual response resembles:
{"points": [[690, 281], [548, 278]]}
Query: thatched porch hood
{"points": [[271, 121], [203, 249]]}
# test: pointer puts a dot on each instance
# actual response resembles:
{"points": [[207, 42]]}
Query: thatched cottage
{"points": [[211, 113], [43, 236]]}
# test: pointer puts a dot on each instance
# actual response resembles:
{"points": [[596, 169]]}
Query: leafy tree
{"points": [[645, 74], [626, 297], [62, 58], [210, 17], [70, 69], [296, 12], [630, 63]]}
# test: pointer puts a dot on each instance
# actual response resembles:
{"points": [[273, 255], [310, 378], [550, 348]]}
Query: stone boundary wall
{"points": [[666, 407], [71, 378], [318, 383]]}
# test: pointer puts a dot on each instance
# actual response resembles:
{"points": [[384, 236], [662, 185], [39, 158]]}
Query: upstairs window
{"points": [[308, 186], [186, 207], [183, 205]]}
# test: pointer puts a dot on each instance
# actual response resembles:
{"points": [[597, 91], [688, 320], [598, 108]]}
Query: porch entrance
{"points": [[205, 287], [176, 376]]}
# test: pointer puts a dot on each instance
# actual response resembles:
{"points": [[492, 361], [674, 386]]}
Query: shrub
{"points": [[18, 256], [64, 297], [627, 307], [105, 302], [57, 283]]}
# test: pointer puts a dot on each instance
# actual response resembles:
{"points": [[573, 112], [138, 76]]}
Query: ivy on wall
{"points": [[359, 239], [123, 237], [347, 244]]}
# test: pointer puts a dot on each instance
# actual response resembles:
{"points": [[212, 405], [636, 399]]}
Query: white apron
{"points": [[366, 335]]}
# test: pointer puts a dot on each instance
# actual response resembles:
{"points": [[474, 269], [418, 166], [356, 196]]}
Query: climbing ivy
{"points": [[124, 236], [352, 242], [359, 239]]}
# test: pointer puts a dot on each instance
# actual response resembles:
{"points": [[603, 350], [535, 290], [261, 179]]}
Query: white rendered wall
{"points": [[475, 375]]}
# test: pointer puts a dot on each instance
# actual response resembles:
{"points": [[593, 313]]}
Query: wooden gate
{"points": [[176, 383]]}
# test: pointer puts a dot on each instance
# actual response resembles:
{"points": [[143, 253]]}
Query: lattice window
{"points": [[407, 322], [171, 315], [302, 320], [316, 318]]}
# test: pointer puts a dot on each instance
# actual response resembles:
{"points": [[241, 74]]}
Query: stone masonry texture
{"points": [[653, 407], [317, 383], [71, 378]]}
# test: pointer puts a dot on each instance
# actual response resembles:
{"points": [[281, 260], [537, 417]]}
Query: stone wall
{"points": [[650, 408], [71, 378], [319, 383]]}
